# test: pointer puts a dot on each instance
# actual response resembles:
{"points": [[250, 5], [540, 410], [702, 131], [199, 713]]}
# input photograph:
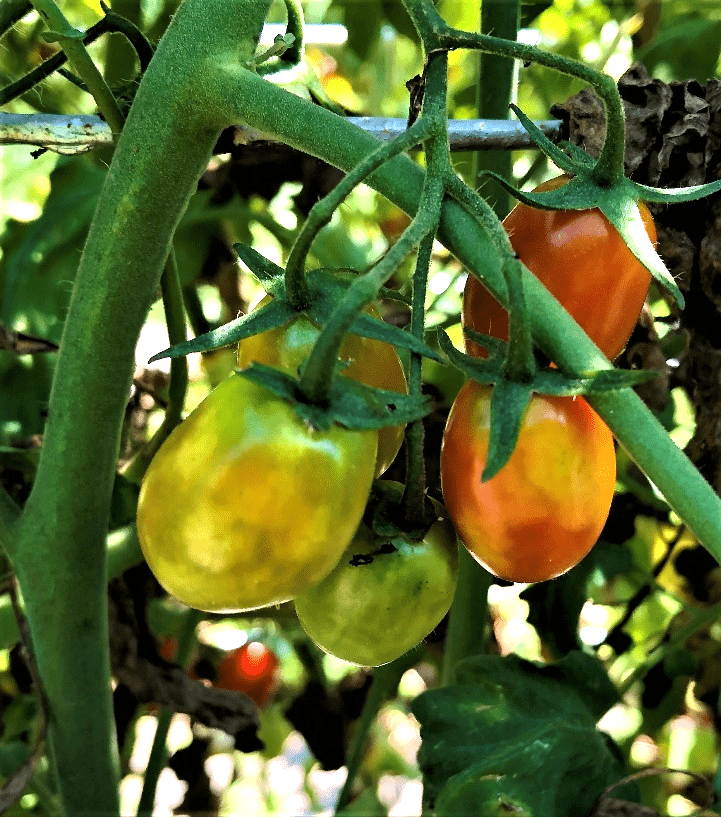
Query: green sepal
{"points": [[263, 269], [351, 405], [554, 152], [509, 401], [618, 203], [327, 287], [545, 381], [675, 195], [57, 36], [384, 513], [510, 397], [274, 314]]}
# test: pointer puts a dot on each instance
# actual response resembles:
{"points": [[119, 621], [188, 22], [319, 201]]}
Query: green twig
{"points": [[72, 44], [317, 376], [12, 11], [466, 634], [322, 212], [385, 682], [415, 488], [159, 751]]}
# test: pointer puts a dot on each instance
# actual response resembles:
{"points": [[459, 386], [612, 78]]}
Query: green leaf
{"points": [[507, 719]]}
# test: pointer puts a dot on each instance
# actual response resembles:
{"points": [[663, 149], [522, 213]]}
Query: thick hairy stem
{"points": [[60, 554]]}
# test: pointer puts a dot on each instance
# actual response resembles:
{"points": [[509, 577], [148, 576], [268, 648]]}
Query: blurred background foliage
{"points": [[634, 598]]}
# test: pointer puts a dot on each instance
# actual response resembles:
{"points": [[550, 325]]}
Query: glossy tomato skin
{"points": [[244, 505], [370, 361], [582, 260], [374, 607], [544, 510], [251, 669]]}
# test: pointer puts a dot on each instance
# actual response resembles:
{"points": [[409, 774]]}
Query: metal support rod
{"points": [[77, 134]]}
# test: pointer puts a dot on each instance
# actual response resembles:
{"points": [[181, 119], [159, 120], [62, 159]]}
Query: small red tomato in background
{"points": [[580, 257], [545, 509], [251, 669]]}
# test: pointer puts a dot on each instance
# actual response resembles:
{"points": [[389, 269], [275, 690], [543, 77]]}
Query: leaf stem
{"points": [[322, 212], [159, 751], [385, 681], [317, 376], [72, 44]]}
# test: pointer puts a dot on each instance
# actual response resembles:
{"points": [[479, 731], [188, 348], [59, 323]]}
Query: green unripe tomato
{"points": [[384, 596], [245, 505]]}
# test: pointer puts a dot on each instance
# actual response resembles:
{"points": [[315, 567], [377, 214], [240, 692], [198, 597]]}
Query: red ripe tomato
{"points": [[544, 510], [252, 669], [582, 260]]}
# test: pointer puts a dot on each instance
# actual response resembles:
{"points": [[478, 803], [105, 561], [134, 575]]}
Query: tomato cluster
{"points": [[245, 505], [543, 512]]}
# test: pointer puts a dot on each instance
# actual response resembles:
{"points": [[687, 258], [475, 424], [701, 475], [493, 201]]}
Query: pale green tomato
{"points": [[383, 597]]}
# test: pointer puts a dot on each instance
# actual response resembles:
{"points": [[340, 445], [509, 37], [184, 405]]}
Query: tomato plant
{"points": [[384, 596], [369, 361], [580, 257], [251, 669], [244, 505], [544, 510]]}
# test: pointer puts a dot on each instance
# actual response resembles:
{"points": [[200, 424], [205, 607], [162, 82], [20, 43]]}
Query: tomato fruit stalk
{"points": [[580, 257], [384, 596], [544, 510], [245, 506], [371, 362]]}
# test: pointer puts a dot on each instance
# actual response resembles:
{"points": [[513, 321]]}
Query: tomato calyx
{"points": [[595, 186], [511, 396], [385, 515], [326, 287]]}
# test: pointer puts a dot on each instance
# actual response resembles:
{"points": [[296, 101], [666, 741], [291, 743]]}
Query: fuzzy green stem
{"points": [[119, 55], [159, 751], [436, 33], [322, 212], [111, 22], [317, 376], [73, 46], [60, 553], [11, 11], [495, 90], [415, 489], [385, 681], [466, 634], [438, 162], [173, 305]]}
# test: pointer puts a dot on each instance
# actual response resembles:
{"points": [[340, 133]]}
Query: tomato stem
{"points": [[73, 45], [385, 682], [437, 34], [322, 212], [437, 160], [319, 370], [159, 752], [173, 305]]}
